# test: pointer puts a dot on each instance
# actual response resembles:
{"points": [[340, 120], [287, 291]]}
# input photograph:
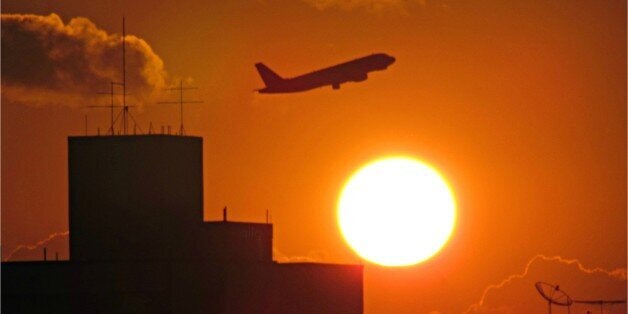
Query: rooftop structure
{"points": [[138, 244]]}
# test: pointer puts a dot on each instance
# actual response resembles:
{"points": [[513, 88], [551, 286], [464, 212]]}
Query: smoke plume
{"points": [[27, 248], [45, 61]]}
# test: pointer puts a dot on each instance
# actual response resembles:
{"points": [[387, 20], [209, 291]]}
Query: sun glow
{"points": [[396, 211]]}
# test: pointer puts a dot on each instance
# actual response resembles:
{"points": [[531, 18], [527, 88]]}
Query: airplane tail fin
{"points": [[269, 77]]}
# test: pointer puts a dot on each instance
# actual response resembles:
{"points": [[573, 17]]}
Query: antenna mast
{"points": [[111, 128], [180, 103], [125, 109], [111, 93], [112, 105]]}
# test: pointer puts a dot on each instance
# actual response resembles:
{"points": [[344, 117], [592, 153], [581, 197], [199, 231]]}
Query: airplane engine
{"points": [[360, 78]]}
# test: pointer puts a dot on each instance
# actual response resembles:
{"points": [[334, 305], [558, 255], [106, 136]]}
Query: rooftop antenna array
{"points": [[125, 108], [180, 103], [124, 113], [554, 295], [111, 93]]}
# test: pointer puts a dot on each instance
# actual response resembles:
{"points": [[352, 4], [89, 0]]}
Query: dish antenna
{"points": [[554, 295]]}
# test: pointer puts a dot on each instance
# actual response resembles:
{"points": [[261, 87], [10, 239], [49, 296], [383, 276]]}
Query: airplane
{"points": [[352, 71]]}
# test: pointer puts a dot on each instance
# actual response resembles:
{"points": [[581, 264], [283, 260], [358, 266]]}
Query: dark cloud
{"points": [[45, 61]]}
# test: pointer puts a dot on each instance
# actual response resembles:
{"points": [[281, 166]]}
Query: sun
{"points": [[396, 211]]}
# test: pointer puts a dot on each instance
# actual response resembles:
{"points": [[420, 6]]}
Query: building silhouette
{"points": [[138, 244]]}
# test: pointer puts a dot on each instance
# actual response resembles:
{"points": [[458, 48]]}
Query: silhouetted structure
{"points": [[352, 71], [138, 244], [554, 295]]}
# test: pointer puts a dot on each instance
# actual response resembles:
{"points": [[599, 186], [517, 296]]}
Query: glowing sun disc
{"points": [[396, 211]]}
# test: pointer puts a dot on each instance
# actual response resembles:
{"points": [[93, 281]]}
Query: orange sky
{"points": [[522, 106]]}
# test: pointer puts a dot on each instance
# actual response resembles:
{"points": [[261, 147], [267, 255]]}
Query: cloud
{"points": [[516, 293], [370, 5], [312, 257], [45, 61], [25, 251]]}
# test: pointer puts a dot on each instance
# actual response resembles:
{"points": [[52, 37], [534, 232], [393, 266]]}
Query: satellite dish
{"points": [[553, 295]]}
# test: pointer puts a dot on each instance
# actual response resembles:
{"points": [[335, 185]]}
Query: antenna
{"points": [[554, 295], [111, 129], [600, 303], [180, 102], [111, 93], [125, 109]]}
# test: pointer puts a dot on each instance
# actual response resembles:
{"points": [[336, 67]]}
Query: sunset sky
{"points": [[521, 105]]}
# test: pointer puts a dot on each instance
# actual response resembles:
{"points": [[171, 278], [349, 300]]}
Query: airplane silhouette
{"points": [[352, 71]]}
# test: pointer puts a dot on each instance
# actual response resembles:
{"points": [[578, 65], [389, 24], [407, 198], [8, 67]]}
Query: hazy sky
{"points": [[520, 104]]}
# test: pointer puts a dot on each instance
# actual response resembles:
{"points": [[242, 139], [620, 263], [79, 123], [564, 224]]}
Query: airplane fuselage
{"points": [[352, 71]]}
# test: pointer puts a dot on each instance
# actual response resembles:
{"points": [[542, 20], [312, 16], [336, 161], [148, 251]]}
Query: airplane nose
{"points": [[391, 59]]}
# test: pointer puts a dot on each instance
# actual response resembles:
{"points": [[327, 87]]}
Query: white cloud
{"points": [[516, 293]]}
